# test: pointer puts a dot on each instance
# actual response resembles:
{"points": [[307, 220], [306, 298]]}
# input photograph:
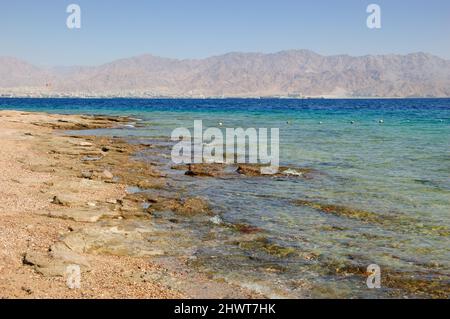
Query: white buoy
{"points": [[381, 121], [220, 124], [320, 122], [352, 122]]}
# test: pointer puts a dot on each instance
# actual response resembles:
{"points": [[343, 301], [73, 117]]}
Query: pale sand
{"points": [[28, 170]]}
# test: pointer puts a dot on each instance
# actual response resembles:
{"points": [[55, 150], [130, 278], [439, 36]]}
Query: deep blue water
{"points": [[254, 106], [400, 167]]}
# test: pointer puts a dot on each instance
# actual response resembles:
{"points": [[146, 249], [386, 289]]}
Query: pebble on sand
{"points": [[107, 174]]}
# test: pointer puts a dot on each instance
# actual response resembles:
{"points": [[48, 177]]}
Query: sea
{"points": [[379, 193]]}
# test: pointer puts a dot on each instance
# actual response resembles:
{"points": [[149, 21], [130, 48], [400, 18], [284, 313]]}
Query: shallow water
{"points": [[389, 183]]}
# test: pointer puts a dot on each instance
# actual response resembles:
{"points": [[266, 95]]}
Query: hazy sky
{"points": [[35, 30]]}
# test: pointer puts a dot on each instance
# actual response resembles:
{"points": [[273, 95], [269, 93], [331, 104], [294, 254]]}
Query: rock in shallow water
{"points": [[152, 183], [189, 207]]}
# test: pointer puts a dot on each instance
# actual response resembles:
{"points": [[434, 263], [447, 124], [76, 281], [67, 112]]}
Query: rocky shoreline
{"points": [[108, 205], [66, 201]]}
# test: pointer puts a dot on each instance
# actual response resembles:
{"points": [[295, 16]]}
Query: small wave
{"points": [[292, 172], [216, 220], [262, 289]]}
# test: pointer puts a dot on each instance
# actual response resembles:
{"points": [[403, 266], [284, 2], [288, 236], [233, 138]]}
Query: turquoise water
{"points": [[396, 173]]}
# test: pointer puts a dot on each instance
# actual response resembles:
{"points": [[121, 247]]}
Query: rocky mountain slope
{"points": [[286, 73]]}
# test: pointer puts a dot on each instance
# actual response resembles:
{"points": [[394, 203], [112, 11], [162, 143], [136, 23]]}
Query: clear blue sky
{"points": [[35, 30]]}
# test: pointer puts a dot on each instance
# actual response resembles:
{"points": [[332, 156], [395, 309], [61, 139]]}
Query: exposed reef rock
{"points": [[250, 170]]}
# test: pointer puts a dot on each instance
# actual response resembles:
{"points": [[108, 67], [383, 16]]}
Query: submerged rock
{"points": [[254, 170], [263, 243], [164, 204], [194, 206], [251, 170], [245, 229], [210, 170], [400, 283], [343, 211], [189, 207], [152, 183], [405, 223]]}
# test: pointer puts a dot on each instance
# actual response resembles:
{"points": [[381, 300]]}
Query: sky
{"points": [[36, 31]]}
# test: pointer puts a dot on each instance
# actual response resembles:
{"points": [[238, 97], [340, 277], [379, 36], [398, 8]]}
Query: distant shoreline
{"points": [[218, 98], [286, 74]]}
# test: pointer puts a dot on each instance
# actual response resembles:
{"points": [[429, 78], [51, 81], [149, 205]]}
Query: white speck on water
{"points": [[216, 220], [292, 172]]}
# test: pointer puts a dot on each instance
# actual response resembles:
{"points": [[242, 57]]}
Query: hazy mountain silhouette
{"points": [[239, 74]]}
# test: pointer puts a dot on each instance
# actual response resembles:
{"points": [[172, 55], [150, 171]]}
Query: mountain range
{"points": [[294, 73]]}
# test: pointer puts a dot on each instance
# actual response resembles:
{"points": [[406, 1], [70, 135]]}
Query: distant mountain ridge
{"points": [[294, 73]]}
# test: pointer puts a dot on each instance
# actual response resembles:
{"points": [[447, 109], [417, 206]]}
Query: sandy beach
{"points": [[64, 201]]}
